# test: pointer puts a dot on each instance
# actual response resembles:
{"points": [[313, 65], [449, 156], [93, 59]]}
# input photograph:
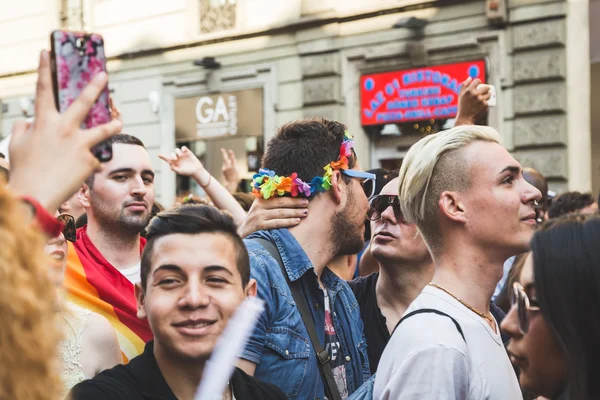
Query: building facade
{"points": [[214, 74]]}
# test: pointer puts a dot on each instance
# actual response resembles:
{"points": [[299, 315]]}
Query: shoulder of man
{"points": [[427, 330], [250, 388], [117, 383], [261, 261]]}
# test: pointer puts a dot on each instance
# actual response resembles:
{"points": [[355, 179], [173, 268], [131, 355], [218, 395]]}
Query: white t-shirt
{"points": [[132, 273], [427, 358]]}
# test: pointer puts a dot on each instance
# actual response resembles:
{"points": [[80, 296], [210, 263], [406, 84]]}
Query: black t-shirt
{"points": [[376, 331], [141, 379]]}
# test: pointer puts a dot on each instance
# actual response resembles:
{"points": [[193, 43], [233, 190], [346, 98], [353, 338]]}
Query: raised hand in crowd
{"points": [[184, 162], [230, 169], [472, 102], [279, 212], [36, 170]]}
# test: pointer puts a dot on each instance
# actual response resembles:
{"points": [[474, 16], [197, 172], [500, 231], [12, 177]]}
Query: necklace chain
{"points": [[482, 315]]}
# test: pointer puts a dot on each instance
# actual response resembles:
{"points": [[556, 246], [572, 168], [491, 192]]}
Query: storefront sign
{"points": [[415, 94], [222, 114]]}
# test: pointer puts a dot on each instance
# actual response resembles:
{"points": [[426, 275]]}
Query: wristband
{"points": [[207, 183], [49, 224]]}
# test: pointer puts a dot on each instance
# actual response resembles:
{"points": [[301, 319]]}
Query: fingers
{"points": [[226, 159], [164, 158], [281, 202], [19, 127], [102, 132], [178, 153], [473, 85], [44, 97], [284, 213], [79, 109], [485, 95], [465, 85], [281, 223], [232, 157]]}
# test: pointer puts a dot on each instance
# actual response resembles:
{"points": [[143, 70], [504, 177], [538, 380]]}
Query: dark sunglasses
{"points": [[524, 308], [69, 231], [380, 203]]}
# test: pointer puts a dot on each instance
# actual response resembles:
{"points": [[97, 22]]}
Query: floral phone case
{"points": [[76, 58]]}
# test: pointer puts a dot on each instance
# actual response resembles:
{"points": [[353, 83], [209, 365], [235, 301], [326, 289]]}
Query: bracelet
{"points": [[207, 183], [49, 224]]}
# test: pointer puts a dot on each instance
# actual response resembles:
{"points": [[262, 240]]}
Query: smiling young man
{"points": [[195, 273], [468, 198], [104, 262]]}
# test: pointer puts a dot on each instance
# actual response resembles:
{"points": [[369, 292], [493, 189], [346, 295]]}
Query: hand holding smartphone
{"points": [[76, 58]]}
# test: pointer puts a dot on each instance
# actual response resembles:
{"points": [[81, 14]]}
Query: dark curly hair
{"points": [[570, 202]]}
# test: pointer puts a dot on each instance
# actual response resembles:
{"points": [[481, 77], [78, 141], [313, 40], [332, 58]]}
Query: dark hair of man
{"points": [[122, 138], [194, 219], [566, 256], [535, 178], [306, 147], [570, 202]]}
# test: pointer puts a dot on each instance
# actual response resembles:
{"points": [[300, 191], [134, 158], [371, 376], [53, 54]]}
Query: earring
{"points": [[535, 203]]}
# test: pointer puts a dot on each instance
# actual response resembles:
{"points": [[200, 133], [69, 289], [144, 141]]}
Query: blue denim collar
{"points": [[295, 260]]}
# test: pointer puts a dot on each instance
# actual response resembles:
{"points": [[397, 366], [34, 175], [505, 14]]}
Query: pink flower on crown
{"points": [[346, 148], [300, 187]]}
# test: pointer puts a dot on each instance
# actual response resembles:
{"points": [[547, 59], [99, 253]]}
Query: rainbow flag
{"points": [[93, 283]]}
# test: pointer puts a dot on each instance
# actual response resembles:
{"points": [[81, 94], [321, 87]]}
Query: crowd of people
{"points": [[457, 277]]}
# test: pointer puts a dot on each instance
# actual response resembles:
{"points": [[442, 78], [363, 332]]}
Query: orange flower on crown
{"points": [[285, 185], [342, 163]]}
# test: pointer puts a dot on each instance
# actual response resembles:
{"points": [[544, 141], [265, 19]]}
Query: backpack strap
{"points": [[331, 389], [431, 311]]}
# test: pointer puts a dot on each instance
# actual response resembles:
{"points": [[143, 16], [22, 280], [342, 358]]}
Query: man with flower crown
{"points": [[309, 341]]}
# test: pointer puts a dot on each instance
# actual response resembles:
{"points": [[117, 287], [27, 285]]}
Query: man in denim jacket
{"points": [[312, 159]]}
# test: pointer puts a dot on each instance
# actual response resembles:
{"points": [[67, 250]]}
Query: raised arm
{"points": [[184, 162]]}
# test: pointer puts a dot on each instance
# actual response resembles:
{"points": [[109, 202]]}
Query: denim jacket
{"points": [[280, 344]]}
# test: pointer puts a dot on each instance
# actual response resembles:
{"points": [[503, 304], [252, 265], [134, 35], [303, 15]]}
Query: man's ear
{"points": [[83, 196], [140, 296], [336, 187], [451, 207], [251, 288]]}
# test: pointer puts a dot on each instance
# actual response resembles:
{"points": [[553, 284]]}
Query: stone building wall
{"points": [[308, 55]]}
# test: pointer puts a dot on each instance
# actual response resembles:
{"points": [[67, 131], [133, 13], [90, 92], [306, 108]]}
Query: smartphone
{"points": [[77, 57]]}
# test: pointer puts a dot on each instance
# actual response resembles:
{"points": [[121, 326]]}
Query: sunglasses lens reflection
{"points": [[69, 230]]}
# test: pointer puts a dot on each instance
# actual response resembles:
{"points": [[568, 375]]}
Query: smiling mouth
{"points": [[57, 255]]}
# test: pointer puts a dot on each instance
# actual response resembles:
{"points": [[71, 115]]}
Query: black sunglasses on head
{"points": [[69, 231], [380, 203]]}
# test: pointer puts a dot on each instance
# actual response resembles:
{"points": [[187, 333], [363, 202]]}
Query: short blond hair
{"points": [[430, 169]]}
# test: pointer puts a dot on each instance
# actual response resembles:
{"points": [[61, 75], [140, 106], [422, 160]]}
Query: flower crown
{"points": [[267, 184]]}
